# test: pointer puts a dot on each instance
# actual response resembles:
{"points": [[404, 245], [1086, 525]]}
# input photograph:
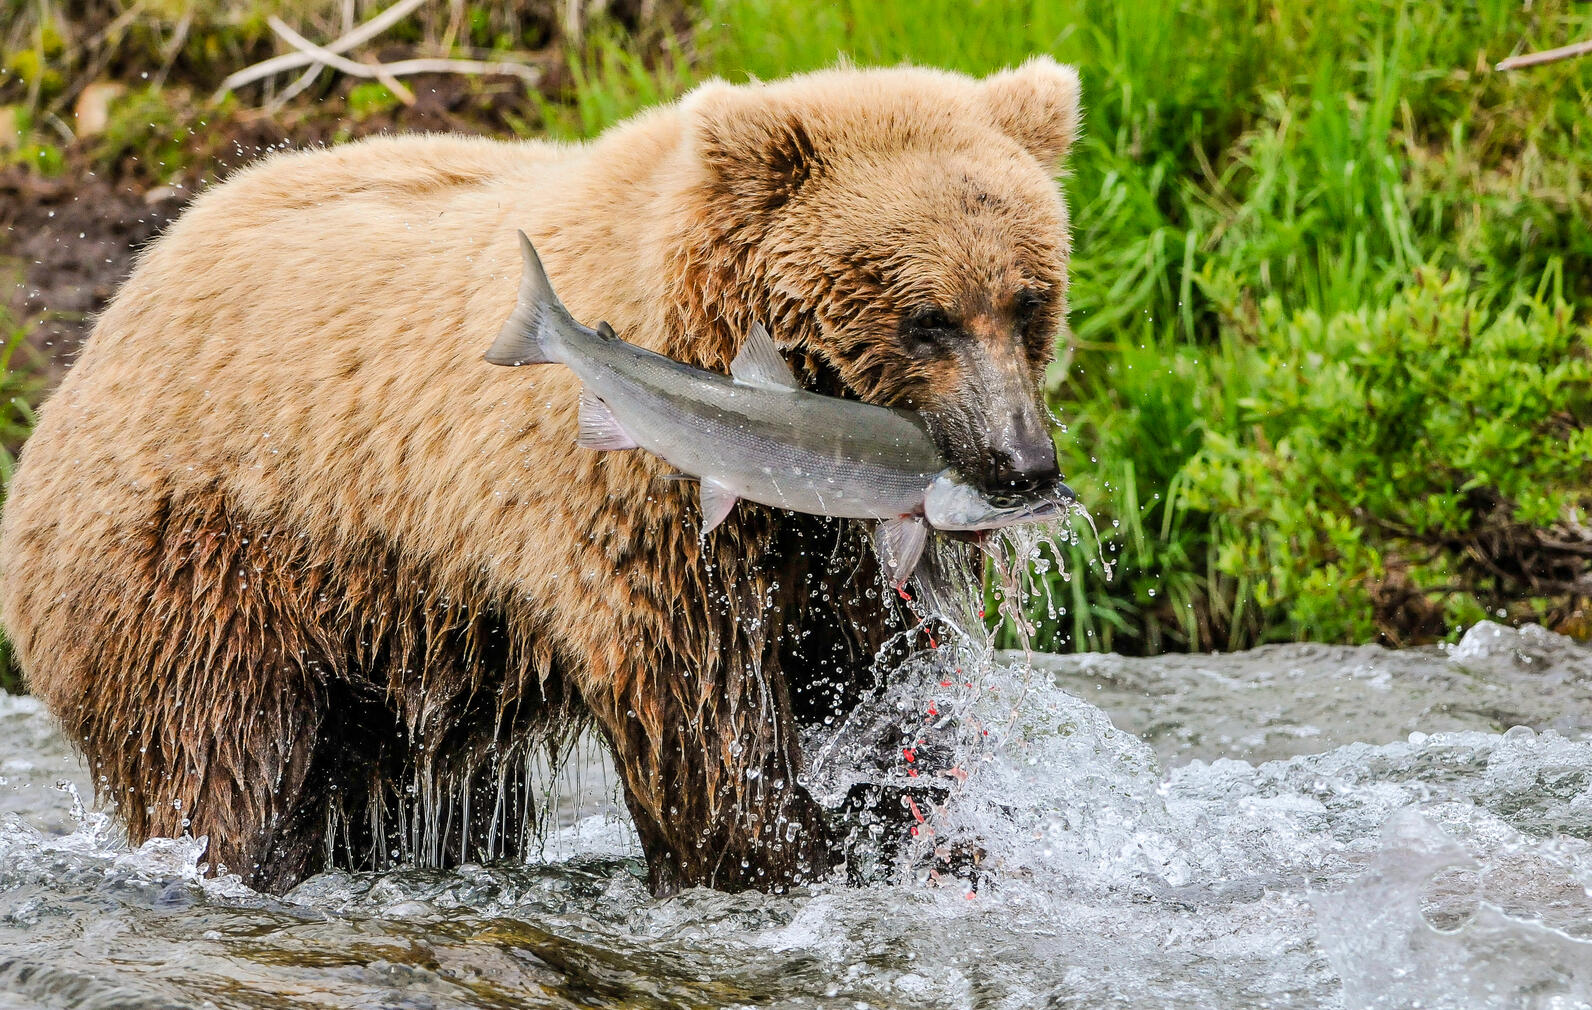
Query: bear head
{"points": [[901, 233]]}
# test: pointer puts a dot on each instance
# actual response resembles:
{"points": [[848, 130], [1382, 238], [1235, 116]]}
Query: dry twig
{"points": [[388, 73], [1568, 52], [328, 58], [293, 90], [308, 54], [294, 60], [170, 51]]}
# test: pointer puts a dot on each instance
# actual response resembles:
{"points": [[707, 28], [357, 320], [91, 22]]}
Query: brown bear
{"points": [[300, 572]]}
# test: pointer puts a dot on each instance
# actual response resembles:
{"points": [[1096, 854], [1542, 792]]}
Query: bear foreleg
{"points": [[709, 763]]}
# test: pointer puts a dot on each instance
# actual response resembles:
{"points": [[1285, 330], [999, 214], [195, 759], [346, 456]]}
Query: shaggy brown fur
{"points": [[298, 571]]}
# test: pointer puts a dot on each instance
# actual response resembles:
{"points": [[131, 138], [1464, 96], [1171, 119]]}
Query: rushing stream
{"points": [[1298, 826]]}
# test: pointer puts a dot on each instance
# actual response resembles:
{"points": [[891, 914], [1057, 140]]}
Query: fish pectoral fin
{"points": [[599, 428], [899, 543], [717, 501], [759, 364]]}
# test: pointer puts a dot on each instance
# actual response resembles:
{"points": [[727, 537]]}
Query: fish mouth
{"points": [[1000, 510], [1056, 494]]}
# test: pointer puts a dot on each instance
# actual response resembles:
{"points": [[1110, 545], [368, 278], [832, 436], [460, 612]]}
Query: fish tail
{"points": [[532, 335]]}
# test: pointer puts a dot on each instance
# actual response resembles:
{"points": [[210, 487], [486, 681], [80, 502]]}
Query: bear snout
{"points": [[1022, 456], [996, 444], [993, 430]]}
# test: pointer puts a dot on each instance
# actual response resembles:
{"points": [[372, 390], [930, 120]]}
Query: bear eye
{"points": [[1028, 304], [930, 319], [926, 331]]}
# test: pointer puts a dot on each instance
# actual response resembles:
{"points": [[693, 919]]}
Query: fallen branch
{"points": [[294, 60], [1568, 52], [343, 63], [388, 73], [293, 90]]}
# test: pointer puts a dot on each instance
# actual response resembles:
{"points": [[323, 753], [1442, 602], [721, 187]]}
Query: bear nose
{"points": [[1024, 468]]}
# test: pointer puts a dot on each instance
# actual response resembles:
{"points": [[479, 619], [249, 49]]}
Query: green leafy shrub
{"points": [[1395, 468], [146, 125], [1396, 472]]}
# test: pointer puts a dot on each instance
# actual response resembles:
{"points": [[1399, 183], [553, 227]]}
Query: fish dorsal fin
{"points": [[599, 428], [759, 363], [900, 544], [717, 501]]}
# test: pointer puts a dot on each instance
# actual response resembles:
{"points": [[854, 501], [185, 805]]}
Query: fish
{"points": [[757, 434]]}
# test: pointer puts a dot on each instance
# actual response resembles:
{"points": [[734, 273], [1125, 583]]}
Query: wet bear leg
{"points": [[486, 724], [211, 726], [709, 762], [836, 658]]}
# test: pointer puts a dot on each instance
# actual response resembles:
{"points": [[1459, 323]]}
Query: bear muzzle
{"points": [[1022, 457], [994, 430]]}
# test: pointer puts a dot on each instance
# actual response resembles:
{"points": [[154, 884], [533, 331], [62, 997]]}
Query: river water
{"points": [[1295, 826]]}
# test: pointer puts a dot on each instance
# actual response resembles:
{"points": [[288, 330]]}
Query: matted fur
{"points": [[284, 550]]}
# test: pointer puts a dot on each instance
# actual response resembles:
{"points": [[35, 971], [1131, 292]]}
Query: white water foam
{"points": [[1312, 875]]}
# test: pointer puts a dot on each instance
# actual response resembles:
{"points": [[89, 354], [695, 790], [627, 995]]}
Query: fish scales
{"points": [[812, 453]]}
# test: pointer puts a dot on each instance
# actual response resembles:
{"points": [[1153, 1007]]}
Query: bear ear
{"points": [[757, 150], [1036, 104]]}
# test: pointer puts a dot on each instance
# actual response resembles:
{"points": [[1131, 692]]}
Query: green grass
{"points": [[18, 390], [1264, 192]]}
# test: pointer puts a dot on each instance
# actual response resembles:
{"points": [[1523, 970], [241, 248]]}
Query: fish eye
{"points": [[1004, 499]]}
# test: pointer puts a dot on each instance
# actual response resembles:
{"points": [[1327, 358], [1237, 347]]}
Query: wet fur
{"points": [[295, 568]]}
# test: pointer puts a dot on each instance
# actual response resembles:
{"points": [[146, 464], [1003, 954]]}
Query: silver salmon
{"points": [[756, 434]]}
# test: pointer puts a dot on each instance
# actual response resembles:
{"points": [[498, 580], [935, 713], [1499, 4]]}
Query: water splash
{"points": [[1412, 931], [1264, 877], [1022, 559]]}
